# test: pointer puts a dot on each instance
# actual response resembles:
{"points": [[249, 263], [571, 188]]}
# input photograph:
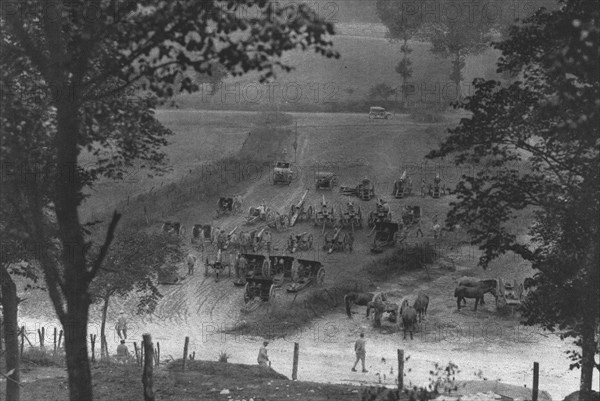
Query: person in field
{"points": [[191, 262], [263, 358], [121, 326], [360, 350]]}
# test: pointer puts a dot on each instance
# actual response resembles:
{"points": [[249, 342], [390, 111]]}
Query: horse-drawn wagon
{"points": [[281, 268], [510, 294], [259, 289], [325, 180], [306, 272], [173, 228], [299, 242], [352, 216], [380, 214], [403, 186], [282, 173], [257, 265], [386, 235]]}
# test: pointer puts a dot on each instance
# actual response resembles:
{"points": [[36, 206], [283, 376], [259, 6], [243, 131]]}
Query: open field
{"points": [[355, 147], [319, 84]]}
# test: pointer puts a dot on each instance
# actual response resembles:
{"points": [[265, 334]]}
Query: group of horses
{"points": [[403, 314], [408, 316]]}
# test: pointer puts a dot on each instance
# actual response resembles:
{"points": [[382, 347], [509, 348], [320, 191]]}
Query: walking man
{"points": [[121, 326], [359, 348], [263, 358], [191, 262]]}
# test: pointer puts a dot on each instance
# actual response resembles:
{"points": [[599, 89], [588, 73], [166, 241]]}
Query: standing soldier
{"points": [[121, 326], [268, 240], [263, 358], [359, 349], [241, 267], [191, 262]]}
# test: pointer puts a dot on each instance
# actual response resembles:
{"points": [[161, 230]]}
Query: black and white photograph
{"points": [[301, 200]]}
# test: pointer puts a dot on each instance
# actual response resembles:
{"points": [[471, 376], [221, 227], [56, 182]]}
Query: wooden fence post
{"points": [[137, 355], [295, 367], [142, 352], [400, 369], [22, 339], [42, 336], [157, 353], [60, 334], [55, 340], [185, 351], [148, 363], [536, 381], [93, 341]]}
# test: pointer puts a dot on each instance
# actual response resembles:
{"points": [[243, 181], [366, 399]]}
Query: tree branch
{"points": [[110, 233]]}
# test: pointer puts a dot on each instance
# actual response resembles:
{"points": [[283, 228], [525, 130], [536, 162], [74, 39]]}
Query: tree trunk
{"points": [[11, 337], [590, 321], [78, 364], [103, 342], [76, 282]]}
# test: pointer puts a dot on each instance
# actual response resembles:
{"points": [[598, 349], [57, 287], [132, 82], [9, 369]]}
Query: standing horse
{"points": [[409, 318], [360, 298], [473, 282], [420, 305], [462, 292]]}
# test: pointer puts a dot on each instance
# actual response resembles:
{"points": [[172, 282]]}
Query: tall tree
{"points": [[403, 22], [548, 124], [381, 91], [132, 266], [92, 52]]}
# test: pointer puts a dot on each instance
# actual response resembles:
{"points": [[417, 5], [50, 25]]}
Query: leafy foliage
{"points": [[381, 91], [133, 265], [537, 141]]}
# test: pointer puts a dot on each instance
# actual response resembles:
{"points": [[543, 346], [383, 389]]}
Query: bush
{"points": [[42, 357], [224, 357], [405, 258]]}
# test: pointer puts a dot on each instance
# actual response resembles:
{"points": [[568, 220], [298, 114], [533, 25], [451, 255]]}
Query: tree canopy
{"points": [[89, 62], [537, 140]]}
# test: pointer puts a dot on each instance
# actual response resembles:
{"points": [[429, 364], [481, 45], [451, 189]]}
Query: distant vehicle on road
{"points": [[379, 112]]}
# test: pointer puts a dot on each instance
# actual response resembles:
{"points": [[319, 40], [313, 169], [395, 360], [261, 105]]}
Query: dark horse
{"points": [[473, 282], [462, 292], [360, 298]]}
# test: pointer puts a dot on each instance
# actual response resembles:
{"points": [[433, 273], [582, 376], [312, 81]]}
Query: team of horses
{"points": [[408, 316]]}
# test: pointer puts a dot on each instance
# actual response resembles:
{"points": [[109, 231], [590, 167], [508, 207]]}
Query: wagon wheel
{"points": [[309, 212], [272, 294], [246, 295], [266, 269], [321, 276]]}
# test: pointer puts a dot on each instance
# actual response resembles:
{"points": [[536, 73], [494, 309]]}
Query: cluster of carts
{"points": [[264, 275]]}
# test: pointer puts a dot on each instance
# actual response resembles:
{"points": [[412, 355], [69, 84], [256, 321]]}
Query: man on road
{"points": [[191, 262], [263, 358], [359, 348]]}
